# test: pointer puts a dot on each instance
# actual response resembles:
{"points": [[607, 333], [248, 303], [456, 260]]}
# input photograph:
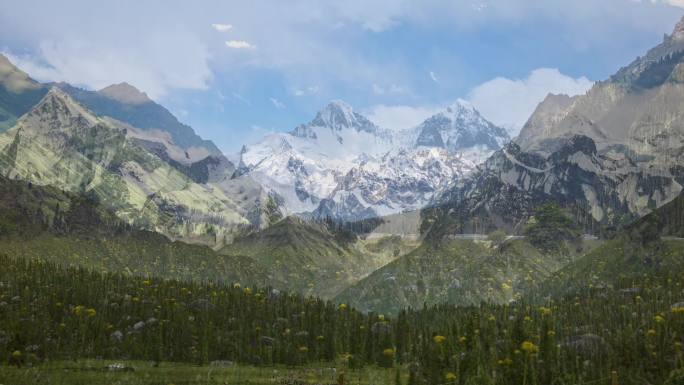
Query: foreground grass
{"points": [[98, 372]]}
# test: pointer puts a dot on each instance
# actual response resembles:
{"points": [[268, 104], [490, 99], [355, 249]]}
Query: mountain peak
{"points": [[458, 127], [461, 105], [338, 115], [57, 110], [678, 32], [125, 93], [13, 78]]}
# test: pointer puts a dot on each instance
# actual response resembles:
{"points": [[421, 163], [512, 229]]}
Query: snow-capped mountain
{"points": [[460, 127], [343, 166]]}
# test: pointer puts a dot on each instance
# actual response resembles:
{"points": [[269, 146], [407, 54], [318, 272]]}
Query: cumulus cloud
{"points": [[111, 45], [150, 66], [510, 102], [238, 44], [222, 27], [400, 116]]}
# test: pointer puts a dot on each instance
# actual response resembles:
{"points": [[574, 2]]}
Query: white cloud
{"points": [[242, 99], [238, 44], [400, 117], [676, 3], [277, 103], [310, 90], [433, 77], [510, 102], [306, 42], [151, 64], [222, 27]]}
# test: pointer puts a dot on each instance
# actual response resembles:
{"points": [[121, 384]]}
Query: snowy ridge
{"points": [[343, 166]]}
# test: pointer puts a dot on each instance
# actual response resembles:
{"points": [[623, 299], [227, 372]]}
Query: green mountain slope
{"points": [[46, 223], [18, 93], [462, 272], [311, 259], [649, 249], [63, 144]]}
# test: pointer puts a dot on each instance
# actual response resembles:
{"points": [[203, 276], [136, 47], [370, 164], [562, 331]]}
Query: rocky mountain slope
{"points": [[126, 103], [342, 166], [612, 155], [600, 190], [61, 143], [636, 112]]}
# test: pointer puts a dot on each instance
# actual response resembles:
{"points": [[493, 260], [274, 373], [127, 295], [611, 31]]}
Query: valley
{"points": [[339, 250]]}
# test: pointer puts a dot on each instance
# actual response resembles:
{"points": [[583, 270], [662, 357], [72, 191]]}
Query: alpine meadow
{"points": [[379, 192]]}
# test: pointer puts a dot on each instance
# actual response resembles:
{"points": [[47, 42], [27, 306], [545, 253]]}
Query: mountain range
{"points": [[144, 176], [376, 217], [341, 165]]}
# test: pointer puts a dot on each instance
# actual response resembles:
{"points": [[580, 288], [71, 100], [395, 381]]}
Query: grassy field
{"points": [[102, 372]]}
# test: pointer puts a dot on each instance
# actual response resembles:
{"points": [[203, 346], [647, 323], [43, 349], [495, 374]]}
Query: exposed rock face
{"points": [[601, 189], [612, 155], [548, 113], [636, 112], [131, 106]]}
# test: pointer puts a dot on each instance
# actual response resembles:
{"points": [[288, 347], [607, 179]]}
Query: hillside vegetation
{"points": [[45, 223], [314, 259], [52, 313]]}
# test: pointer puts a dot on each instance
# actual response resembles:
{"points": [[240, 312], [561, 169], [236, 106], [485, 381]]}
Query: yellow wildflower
{"points": [[651, 333], [529, 347], [545, 311], [389, 353], [78, 310], [303, 349], [438, 339], [659, 319], [450, 377], [91, 312]]}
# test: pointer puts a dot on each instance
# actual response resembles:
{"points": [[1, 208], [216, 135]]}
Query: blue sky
{"points": [[236, 70]]}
